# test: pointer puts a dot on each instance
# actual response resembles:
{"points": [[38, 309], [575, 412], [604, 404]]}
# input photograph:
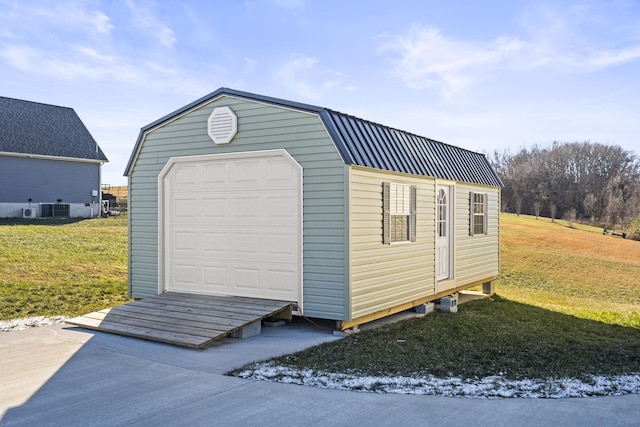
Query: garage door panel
{"points": [[186, 241], [245, 207], [185, 208], [279, 280], [214, 244], [246, 279], [215, 173], [186, 175], [246, 244], [246, 171], [214, 207], [214, 278], [184, 274]]}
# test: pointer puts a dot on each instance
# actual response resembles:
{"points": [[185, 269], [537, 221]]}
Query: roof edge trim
{"points": [[45, 157]]}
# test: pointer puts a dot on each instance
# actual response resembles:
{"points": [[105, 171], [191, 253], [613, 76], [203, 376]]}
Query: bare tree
{"points": [[553, 209], [537, 207], [589, 203], [518, 204], [598, 181], [570, 217]]}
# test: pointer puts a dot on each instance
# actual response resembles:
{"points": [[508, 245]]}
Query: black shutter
{"points": [[413, 205], [471, 213], [386, 213], [486, 214]]}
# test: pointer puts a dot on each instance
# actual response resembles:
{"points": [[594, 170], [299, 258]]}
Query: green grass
{"points": [[62, 267], [568, 306], [487, 337], [568, 302], [574, 271]]}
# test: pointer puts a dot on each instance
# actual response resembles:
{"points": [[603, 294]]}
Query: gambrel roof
{"points": [[364, 143], [32, 128]]}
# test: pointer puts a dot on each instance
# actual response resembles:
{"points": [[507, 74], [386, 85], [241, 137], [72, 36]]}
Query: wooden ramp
{"points": [[182, 319]]}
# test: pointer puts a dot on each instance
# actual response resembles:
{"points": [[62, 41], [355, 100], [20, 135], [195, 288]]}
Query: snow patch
{"points": [[492, 387], [29, 322]]}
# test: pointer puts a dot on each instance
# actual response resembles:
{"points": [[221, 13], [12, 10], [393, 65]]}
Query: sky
{"points": [[485, 76]]}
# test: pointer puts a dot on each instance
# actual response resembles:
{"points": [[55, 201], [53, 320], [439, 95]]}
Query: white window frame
{"points": [[400, 211], [478, 206], [399, 206]]}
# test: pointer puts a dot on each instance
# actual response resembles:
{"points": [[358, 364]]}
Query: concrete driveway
{"points": [[61, 375]]}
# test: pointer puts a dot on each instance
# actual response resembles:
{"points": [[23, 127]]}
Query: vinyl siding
{"points": [[47, 180], [260, 127], [476, 257], [384, 276]]}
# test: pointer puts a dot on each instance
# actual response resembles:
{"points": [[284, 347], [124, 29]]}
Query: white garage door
{"points": [[232, 225]]}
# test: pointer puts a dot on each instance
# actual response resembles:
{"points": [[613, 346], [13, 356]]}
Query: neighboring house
{"points": [[49, 162], [248, 195]]}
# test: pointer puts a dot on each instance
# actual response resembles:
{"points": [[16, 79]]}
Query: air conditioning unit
{"points": [[29, 212]]}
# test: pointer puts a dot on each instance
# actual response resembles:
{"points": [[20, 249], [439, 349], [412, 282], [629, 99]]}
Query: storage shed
{"points": [[248, 195]]}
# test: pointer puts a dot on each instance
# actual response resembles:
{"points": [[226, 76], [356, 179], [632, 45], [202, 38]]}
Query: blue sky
{"points": [[485, 76]]}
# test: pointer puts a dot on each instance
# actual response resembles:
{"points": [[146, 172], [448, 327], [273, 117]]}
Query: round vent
{"points": [[222, 125]]}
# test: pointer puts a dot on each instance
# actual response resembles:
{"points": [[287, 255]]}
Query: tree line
{"points": [[584, 181]]}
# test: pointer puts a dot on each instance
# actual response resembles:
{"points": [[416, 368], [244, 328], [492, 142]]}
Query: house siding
{"points": [[47, 180], [383, 276], [260, 127], [476, 257]]}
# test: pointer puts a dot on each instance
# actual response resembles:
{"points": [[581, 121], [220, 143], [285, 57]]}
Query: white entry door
{"points": [[444, 238], [233, 225]]}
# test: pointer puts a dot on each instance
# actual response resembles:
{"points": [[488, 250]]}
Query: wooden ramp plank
{"points": [[204, 321], [172, 313], [218, 303], [152, 325], [190, 320], [140, 332], [186, 308]]}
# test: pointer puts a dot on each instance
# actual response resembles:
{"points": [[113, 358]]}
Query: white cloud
{"points": [[77, 62], [609, 58], [305, 77], [249, 64], [425, 58], [145, 19], [561, 39], [79, 42], [76, 16], [294, 73]]}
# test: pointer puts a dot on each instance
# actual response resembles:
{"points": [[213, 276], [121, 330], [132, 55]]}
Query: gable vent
{"points": [[222, 125]]}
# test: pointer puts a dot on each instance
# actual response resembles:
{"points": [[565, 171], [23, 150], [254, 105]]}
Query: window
{"points": [[443, 217], [478, 223], [399, 213]]}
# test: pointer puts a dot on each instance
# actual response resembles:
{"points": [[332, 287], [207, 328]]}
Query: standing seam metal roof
{"points": [[364, 143], [381, 147]]}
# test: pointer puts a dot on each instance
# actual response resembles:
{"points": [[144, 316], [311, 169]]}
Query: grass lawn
{"points": [[568, 303], [62, 267], [574, 271], [492, 337], [568, 306]]}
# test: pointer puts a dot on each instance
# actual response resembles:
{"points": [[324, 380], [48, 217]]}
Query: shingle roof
{"points": [[364, 143], [41, 129]]}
